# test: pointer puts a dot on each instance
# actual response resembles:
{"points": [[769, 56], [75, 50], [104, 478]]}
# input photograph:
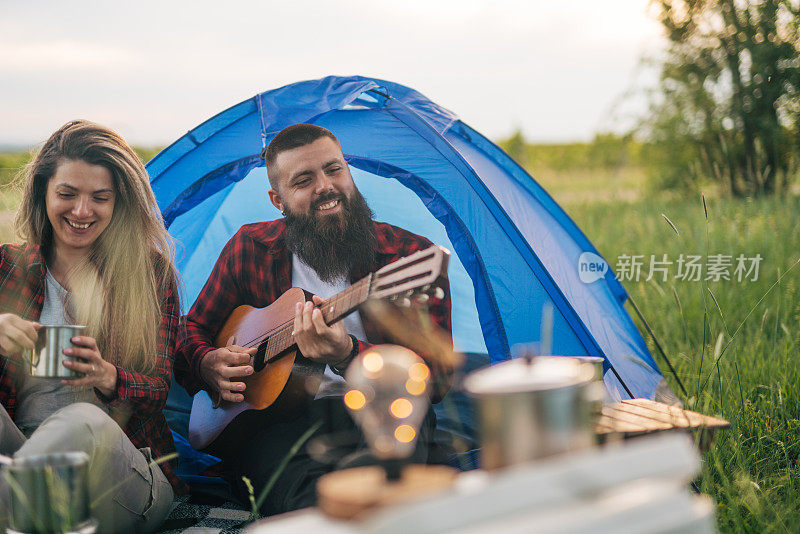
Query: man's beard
{"points": [[338, 246]]}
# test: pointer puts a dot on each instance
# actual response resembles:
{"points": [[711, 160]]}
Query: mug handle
{"points": [[33, 360]]}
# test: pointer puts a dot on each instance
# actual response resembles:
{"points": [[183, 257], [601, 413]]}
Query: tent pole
{"points": [[658, 345], [624, 385]]}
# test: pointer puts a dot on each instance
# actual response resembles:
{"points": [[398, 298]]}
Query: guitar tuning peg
{"points": [[393, 297], [422, 298], [438, 293], [426, 288], [404, 302], [409, 293]]}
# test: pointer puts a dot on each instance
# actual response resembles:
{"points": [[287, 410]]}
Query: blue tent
{"points": [[419, 167]]}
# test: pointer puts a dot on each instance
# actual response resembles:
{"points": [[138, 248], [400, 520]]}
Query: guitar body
{"points": [[276, 391], [284, 382]]}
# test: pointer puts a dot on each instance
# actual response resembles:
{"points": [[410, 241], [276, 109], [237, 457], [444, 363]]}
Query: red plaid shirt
{"points": [[140, 397], [255, 268]]}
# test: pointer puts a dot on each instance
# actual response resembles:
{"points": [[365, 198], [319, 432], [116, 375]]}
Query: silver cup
{"points": [[49, 493], [48, 358]]}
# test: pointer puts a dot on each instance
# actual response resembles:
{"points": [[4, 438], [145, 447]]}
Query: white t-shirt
{"points": [[37, 397], [306, 278]]}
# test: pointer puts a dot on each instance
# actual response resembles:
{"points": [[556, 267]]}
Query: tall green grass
{"points": [[734, 344]]}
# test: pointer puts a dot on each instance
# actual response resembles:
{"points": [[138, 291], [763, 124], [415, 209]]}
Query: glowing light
{"points": [[405, 433], [419, 372], [415, 387], [401, 408], [387, 395], [372, 362], [354, 399]]}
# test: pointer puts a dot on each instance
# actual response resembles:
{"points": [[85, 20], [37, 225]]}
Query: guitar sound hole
{"points": [[259, 360]]}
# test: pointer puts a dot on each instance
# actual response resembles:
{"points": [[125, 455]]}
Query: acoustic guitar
{"points": [[283, 381]]}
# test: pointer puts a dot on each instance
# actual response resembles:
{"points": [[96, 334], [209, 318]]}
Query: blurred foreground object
{"points": [[358, 492], [409, 325], [49, 493], [640, 486], [531, 408], [388, 398], [636, 417]]}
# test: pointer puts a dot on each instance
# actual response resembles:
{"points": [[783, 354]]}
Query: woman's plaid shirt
{"points": [[139, 399], [255, 268]]}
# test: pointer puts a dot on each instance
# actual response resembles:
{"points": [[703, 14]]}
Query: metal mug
{"points": [[49, 493], [47, 360], [534, 408]]}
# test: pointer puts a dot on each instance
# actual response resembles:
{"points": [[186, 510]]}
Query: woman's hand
{"points": [[97, 372], [17, 334]]}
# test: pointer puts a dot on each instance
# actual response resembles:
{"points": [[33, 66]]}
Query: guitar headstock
{"points": [[414, 277], [418, 297]]}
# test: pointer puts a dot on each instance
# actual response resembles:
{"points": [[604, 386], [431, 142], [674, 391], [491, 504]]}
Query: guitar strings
{"points": [[285, 325]]}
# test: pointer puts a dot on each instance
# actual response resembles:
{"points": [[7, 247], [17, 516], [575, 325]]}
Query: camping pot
{"points": [[595, 361], [49, 493], [531, 408], [47, 360]]}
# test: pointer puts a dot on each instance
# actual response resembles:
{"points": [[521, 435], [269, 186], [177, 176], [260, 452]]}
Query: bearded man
{"points": [[326, 241]]}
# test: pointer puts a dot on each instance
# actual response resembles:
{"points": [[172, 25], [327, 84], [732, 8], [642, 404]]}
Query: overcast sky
{"points": [[560, 71]]}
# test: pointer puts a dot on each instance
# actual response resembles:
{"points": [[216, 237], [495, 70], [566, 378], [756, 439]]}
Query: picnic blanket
{"points": [[188, 516]]}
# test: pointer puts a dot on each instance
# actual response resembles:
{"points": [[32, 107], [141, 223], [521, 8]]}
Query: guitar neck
{"points": [[334, 309], [406, 275]]}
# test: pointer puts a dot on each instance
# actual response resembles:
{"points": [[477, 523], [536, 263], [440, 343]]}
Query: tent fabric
{"points": [[515, 251]]}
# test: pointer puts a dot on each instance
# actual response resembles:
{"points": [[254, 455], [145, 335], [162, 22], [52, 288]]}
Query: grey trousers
{"points": [[128, 493]]}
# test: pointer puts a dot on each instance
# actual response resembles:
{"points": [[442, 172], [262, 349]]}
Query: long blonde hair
{"points": [[117, 292]]}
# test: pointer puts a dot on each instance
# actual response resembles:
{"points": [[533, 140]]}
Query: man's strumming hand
{"points": [[221, 367]]}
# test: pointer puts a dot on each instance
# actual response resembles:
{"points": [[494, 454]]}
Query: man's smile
{"points": [[328, 205]]}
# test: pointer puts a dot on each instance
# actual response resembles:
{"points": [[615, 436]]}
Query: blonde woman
{"points": [[96, 253]]}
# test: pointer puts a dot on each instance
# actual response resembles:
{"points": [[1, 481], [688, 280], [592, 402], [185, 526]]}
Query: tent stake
{"points": [[658, 345]]}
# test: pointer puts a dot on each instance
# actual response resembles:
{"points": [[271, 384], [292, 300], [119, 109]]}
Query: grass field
{"points": [[734, 344]]}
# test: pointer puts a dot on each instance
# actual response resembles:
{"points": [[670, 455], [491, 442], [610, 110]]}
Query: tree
{"points": [[728, 103], [516, 147]]}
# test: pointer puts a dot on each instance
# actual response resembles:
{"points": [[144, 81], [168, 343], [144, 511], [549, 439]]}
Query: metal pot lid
{"points": [[522, 375]]}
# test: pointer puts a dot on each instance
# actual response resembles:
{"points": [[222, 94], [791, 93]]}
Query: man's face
{"points": [[313, 179]]}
